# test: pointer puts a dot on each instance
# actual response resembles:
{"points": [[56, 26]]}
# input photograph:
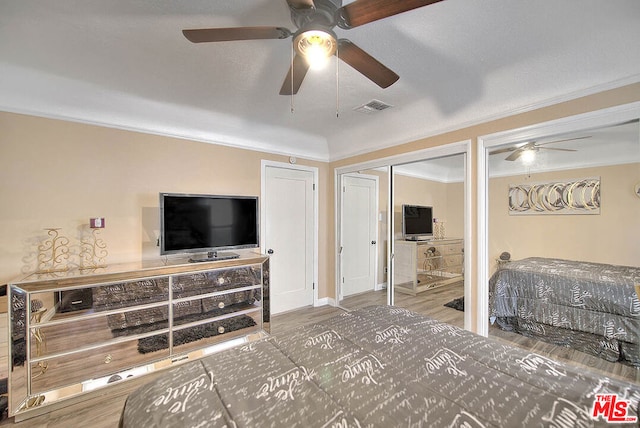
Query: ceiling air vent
{"points": [[372, 106]]}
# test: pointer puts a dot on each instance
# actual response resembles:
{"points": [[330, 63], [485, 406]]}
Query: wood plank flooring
{"points": [[103, 409]]}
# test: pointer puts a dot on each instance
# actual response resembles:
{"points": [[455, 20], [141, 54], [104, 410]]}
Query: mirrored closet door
{"points": [[370, 237], [363, 237], [428, 233], [563, 242]]}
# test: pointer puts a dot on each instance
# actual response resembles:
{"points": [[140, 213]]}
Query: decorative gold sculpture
{"points": [[93, 250], [53, 253]]}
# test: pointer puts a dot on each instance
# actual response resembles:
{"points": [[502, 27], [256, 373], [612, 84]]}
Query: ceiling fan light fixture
{"points": [[315, 46], [528, 156]]}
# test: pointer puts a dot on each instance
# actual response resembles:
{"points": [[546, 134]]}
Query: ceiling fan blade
{"points": [[365, 64], [560, 141], [558, 149], [301, 4], [299, 69], [508, 149], [364, 11], [515, 155], [238, 33]]}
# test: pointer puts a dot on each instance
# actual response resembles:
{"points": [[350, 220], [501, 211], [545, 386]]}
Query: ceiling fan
{"points": [[531, 147], [315, 38]]}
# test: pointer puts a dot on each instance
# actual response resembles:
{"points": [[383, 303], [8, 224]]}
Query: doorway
{"points": [[289, 234]]}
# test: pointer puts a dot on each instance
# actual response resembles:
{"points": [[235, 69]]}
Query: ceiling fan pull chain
{"points": [[292, 71], [337, 81]]}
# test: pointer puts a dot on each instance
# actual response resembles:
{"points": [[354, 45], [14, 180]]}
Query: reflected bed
{"points": [[590, 307]]}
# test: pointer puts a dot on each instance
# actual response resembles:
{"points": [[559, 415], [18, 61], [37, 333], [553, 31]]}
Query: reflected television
{"points": [[417, 222]]}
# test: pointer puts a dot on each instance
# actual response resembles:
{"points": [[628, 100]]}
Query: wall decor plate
{"points": [[581, 196]]}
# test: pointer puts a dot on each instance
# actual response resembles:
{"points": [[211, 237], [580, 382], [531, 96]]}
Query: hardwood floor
{"points": [[103, 410], [100, 411]]}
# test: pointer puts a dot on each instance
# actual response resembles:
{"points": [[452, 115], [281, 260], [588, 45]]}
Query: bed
{"points": [[590, 307], [375, 367]]}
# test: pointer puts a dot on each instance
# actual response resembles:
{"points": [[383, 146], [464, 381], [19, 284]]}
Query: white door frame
{"points": [[377, 237], [590, 120], [461, 147], [263, 221]]}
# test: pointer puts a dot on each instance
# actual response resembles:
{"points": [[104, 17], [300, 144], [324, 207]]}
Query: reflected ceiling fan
{"points": [[314, 38], [530, 148]]}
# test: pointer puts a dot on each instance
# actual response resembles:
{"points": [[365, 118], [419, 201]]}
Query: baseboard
{"points": [[325, 301], [381, 286]]}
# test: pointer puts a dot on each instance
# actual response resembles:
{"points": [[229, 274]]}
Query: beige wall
{"points": [[59, 174], [612, 237], [446, 199]]}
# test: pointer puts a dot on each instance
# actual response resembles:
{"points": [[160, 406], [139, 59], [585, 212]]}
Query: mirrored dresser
{"points": [[78, 331]]}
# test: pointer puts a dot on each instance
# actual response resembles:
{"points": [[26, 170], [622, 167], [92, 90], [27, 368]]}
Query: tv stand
{"points": [[213, 256]]}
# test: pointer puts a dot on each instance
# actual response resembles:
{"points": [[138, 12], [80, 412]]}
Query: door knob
{"points": [[373, 242], [269, 251]]}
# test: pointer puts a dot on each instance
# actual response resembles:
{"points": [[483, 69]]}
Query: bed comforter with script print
{"points": [[588, 306], [376, 367]]}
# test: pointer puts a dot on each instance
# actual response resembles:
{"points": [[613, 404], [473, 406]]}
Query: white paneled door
{"points": [[359, 234], [289, 236]]}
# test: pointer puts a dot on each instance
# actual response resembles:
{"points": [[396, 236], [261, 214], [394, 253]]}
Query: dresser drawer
{"points": [[215, 280], [430, 263], [47, 374], [452, 249], [56, 336], [130, 293], [203, 333], [453, 262], [247, 297]]}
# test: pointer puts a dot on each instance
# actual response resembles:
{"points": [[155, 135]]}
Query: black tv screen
{"points": [[207, 223], [417, 221]]}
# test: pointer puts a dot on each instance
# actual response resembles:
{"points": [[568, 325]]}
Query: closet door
{"points": [[359, 233], [428, 222]]}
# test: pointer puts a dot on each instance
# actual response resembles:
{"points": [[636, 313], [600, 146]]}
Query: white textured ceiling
{"points": [[126, 64]]}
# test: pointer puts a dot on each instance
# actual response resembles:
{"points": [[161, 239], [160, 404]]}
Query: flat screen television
{"points": [[207, 224], [417, 222]]}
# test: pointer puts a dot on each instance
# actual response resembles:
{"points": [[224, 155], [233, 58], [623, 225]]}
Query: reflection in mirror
{"points": [[564, 239], [428, 235], [363, 238], [18, 353]]}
